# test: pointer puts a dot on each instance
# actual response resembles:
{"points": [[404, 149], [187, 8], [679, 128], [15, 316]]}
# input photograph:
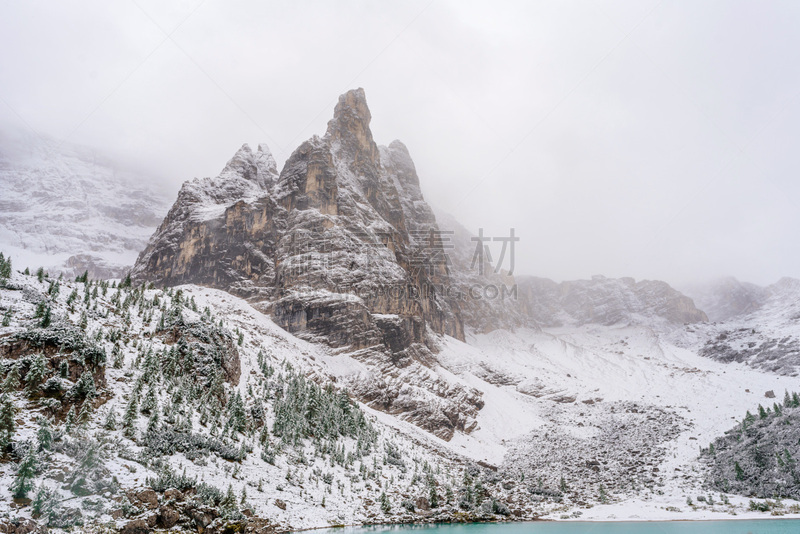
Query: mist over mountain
{"points": [[69, 208], [313, 344]]}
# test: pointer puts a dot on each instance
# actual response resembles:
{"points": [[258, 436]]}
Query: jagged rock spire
{"points": [[329, 249], [350, 124]]}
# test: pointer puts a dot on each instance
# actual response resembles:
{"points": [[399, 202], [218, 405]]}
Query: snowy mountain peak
{"points": [[258, 167], [330, 248]]}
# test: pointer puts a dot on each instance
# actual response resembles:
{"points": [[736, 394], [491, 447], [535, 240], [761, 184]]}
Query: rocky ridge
{"points": [[339, 248], [606, 301]]}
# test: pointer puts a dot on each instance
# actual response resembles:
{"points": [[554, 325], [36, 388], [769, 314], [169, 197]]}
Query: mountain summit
{"points": [[340, 247]]}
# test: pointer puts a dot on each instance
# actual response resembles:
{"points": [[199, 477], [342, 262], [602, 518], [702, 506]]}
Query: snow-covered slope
{"points": [[68, 208], [582, 421], [766, 338], [191, 391], [620, 408]]}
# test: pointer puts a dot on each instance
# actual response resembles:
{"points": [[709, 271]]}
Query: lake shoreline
{"points": [[423, 524]]}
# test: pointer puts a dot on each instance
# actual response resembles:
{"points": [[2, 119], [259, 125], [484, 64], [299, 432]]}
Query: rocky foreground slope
{"points": [[140, 408], [136, 408]]}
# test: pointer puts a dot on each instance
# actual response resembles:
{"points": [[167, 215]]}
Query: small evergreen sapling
{"points": [[44, 503], [44, 435], [5, 268], [23, 483], [36, 373], [7, 422], [111, 420], [69, 421], [11, 383], [386, 506]]}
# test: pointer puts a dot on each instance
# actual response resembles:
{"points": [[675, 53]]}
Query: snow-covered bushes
{"points": [[166, 442]]}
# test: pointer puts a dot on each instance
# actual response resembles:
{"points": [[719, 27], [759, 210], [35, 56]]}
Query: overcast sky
{"points": [[646, 139]]}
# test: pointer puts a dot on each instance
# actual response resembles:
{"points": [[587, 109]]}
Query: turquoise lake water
{"points": [[777, 526]]}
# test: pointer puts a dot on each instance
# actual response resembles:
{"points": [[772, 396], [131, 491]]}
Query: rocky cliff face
{"points": [[488, 300], [339, 247], [727, 297], [606, 301]]}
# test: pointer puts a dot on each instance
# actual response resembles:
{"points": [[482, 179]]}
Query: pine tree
{"points": [[150, 401], [11, 383], [602, 495], [54, 289], [23, 483], [111, 420], [45, 434], [44, 503], [762, 413], [84, 387], [228, 503], [117, 357], [237, 416], [69, 421], [386, 506], [7, 422], [36, 373], [739, 471], [46, 318], [5, 268], [155, 419], [433, 497], [40, 274], [7, 317], [85, 415], [129, 419]]}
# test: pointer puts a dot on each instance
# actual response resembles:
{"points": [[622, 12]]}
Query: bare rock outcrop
{"points": [[606, 301], [340, 247]]}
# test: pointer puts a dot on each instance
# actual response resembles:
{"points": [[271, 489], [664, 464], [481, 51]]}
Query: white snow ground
{"points": [[596, 363], [529, 379]]}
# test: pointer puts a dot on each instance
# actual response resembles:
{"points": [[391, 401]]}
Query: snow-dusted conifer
{"points": [[23, 482]]}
